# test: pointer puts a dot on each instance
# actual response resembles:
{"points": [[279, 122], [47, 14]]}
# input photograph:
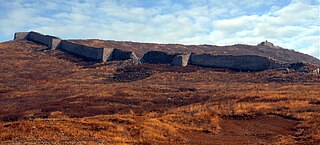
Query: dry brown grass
{"points": [[52, 97], [106, 129]]}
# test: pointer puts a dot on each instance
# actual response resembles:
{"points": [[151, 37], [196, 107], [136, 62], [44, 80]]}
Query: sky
{"points": [[292, 24]]}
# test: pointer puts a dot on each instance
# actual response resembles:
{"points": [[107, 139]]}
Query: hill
{"points": [[51, 97]]}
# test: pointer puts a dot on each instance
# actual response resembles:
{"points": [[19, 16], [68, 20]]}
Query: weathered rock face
{"points": [[118, 54], [181, 60], [157, 57], [240, 63]]}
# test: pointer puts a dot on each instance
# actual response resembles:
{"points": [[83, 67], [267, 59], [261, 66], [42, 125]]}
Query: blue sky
{"points": [[293, 24]]}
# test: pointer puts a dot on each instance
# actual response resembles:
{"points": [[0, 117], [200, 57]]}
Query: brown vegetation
{"points": [[52, 97]]}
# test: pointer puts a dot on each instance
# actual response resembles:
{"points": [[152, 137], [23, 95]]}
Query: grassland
{"points": [[50, 97]]}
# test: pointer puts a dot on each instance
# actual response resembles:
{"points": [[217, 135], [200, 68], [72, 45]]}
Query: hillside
{"points": [[51, 97], [278, 53]]}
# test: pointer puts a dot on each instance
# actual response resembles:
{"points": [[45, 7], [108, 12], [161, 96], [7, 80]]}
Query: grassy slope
{"points": [[49, 96]]}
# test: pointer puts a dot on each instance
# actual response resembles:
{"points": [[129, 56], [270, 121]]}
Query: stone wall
{"points": [[239, 63], [97, 54], [91, 53], [118, 54], [157, 57], [181, 60], [21, 36], [50, 41]]}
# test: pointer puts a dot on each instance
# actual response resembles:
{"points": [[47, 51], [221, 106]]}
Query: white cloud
{"points": [[294, 25]]}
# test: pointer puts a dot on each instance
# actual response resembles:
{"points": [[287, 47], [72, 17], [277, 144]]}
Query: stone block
{"points": [[181, 60], [21, 36]]}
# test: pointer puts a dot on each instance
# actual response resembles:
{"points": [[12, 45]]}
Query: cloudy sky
{"points": [[292, 24]]}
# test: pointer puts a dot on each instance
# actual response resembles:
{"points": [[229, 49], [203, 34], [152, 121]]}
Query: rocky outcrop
{"points": [[268, 44], [239, 63]]}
